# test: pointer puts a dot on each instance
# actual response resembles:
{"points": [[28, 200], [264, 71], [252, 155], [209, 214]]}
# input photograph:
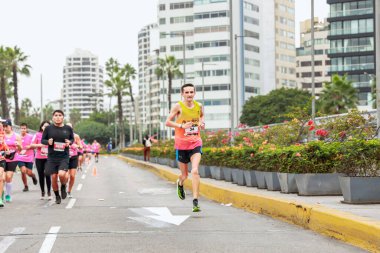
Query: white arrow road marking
{"points": [[9, 240], [79, 187], [49, 241], [71, 203], [160, 214]]}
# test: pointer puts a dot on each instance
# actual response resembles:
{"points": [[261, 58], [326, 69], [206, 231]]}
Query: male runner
{"points": [[188, 143], [58, 137], [3, 150], [25, 157]]}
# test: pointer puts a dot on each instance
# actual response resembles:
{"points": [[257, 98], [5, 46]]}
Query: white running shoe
{"points": [[69, 195]]}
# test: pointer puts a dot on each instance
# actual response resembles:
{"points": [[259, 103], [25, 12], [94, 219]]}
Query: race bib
{"points": [[44, 151], [191, 130], [59, 146], [22, 153], [71, 152]]}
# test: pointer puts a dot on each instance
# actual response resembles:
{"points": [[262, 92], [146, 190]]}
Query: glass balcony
{"points": [[354, 12], [351, 67], [356, 30], [350, 49]]}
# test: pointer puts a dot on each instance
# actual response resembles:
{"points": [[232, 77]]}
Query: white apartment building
{"points": [[321, 60], [82, 83], [215, 33]]}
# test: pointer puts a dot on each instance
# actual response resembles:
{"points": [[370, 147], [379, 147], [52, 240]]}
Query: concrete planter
{"points": [[234, 176], [172, 163], [153, 159], [360, 190], [287, 182], [271, 179], [163, 161], [318, 184], [216, 173], [227, 174], [204, 171], [260, 178], [240, 177], [250, 178]]}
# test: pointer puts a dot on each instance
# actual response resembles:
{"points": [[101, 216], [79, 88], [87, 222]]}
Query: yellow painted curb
{"points": [[352, 229]]}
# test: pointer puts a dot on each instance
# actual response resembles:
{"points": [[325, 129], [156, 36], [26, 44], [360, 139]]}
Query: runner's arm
{"points": [[18, 142], [202, 119], [45, 136], [174, 112]]}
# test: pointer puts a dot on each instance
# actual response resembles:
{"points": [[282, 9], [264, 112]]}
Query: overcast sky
{"points": [[50, 30]]}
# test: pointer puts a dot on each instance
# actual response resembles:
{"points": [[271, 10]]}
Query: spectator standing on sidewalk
{"points": [[148, 141]]}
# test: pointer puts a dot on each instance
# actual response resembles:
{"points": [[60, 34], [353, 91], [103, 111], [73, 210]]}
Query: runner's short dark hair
{"points": [[23, 124], [60, 111], [187, 85]]}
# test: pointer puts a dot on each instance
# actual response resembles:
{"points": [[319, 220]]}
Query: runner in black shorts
{"points": [[58, 137]]}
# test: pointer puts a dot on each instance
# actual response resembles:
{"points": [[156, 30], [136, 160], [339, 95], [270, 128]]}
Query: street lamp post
{"points": [[312, 63]]}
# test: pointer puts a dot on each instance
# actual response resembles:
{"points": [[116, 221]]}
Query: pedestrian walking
{"points": [[148, 142]]}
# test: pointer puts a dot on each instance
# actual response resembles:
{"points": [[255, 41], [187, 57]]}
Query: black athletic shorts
{"points": [[80, 153], [184, 156], [3, 164], [11, 166], [73, 162], [26, 164], [54, 165]]}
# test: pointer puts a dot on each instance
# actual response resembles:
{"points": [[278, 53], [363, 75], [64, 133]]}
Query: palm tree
{"points": [[5, 65], [26, 105], [130, 74], [118, 85], [338, 96], [18, 58], [169, 67]]}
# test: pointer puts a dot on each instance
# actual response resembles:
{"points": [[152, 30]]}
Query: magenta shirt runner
{"points": [[28, 156], [41, 153]]}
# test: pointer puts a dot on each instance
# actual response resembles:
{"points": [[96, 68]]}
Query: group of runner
{"points": [[56, 151]]}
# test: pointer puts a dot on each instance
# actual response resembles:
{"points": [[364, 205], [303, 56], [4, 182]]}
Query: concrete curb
{"points": [[352, 229]]}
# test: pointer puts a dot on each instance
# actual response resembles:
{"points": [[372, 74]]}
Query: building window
{"points": [[252, 48], [251, 7], [215, 14], [162, 21], [175, 6]]}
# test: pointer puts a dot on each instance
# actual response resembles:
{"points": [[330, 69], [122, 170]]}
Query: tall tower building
{"points": [[82, 83], [352, 44], [233, 50], [321, 60]]}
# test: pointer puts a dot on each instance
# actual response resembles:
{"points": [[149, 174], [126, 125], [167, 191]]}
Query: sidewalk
{"points": [[355, 224]]}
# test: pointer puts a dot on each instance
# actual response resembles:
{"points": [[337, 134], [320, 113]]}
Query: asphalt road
{"points": [[121, 208]]}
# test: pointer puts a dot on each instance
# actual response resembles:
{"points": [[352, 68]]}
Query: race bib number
{"points": [[192, 130], [71, 152], [22, 153], [44, 151], [59, 146]]}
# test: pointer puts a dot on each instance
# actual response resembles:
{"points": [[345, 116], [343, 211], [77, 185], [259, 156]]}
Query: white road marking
{"points": [[83, 176], [160, 214], [71, 203], [49, 241], [79, 187], [9, 240]]}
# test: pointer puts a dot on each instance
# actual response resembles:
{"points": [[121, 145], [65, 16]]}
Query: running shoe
{"points": [[69, 195], [196, 207], [1, 202], [58, 199], [180, 192], [26, 189], [34, 180], [63, 191], [42, 196], [49, 196], [8, 198]]}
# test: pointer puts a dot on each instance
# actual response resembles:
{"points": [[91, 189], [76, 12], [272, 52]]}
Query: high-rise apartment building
{"points": [[352, 43], [321, 60], [233, 50], [82, 83]]}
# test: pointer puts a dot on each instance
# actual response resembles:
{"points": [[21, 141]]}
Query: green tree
{"points": [[26, 106], [119, 84], [105, 117], [18, 59], [75, 116], [91, 130], [169, 67], [48, 112], [272, 108], [338, 96], [5, 73], [32, 122]]}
